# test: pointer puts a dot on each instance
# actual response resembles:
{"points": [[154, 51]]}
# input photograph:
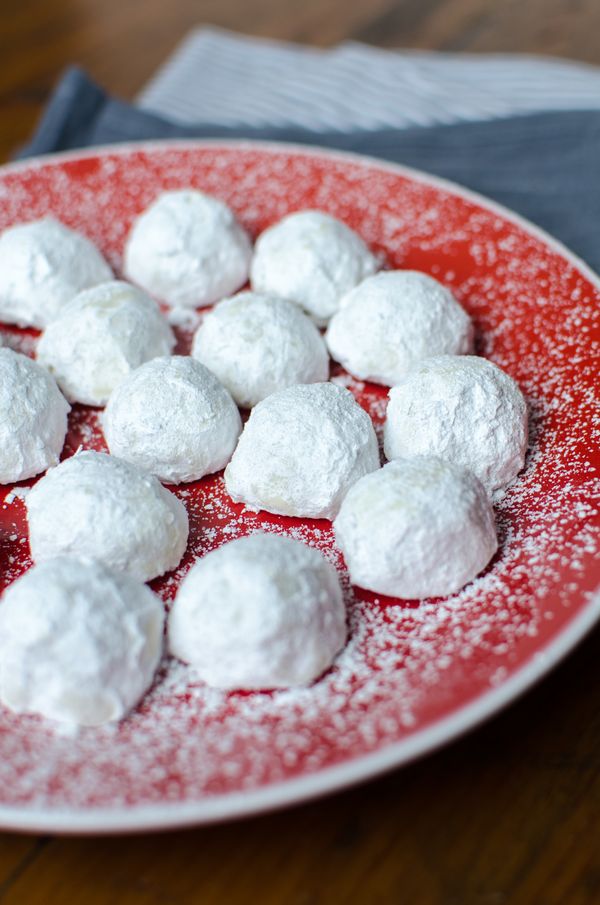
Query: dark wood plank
{"points": [[17, 854], [537, 26]]}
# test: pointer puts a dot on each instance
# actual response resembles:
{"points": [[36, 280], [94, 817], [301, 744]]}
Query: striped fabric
{"points": [[233, 80]]}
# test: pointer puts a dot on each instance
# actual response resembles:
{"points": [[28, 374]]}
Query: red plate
{"points": [[415, 674]]}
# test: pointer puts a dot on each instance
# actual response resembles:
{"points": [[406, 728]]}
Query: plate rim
{"points": [[302, 789], [312, 150]]}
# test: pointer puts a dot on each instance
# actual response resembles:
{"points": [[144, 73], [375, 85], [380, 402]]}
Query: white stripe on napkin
{"points": [[233, 80]]}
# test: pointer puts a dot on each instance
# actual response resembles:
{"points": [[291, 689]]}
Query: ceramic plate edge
{"points": [[217, 808]]}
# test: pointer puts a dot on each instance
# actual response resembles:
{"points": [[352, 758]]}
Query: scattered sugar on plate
{"points": [[407, 663]]}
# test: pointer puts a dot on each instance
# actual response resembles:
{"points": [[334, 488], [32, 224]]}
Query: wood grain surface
{"points": [[509, 814]]}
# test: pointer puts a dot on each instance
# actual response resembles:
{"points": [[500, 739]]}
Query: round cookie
{"points": [[301, 450], [188, 250], [173, 418], [43, 264], [461, 408], [416, 528], [394, 319], [257, 344], [96, 505], [33, 418], [259, 612], [79, 643], [312, 259], [100, 337]]}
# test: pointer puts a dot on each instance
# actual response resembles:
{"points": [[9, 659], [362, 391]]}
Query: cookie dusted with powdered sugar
{"points": [[33, 418], [301, 450], [187, 249], [416, 528], [259, 612], [462, 408], [43, 264], [257, 344], [102, 335], [392, 320], [100, 506], [173, 418], [312, 259], [79, 643]]}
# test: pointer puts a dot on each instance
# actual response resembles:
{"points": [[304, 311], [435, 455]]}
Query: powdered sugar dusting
{"points": [[407, 663]]}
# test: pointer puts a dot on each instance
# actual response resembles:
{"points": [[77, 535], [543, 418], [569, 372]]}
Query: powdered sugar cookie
{"points": [[173, 418], [461, 408], [187, 249], [43, 264], [257, 344], [33, 418], [301, 450], [312, 259], [392, 320], [79, 643], [416, 528], [100, 337], [259, 612], [100, 506]]}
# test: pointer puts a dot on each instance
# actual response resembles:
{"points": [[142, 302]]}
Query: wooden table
{"points": [[509, 814]]}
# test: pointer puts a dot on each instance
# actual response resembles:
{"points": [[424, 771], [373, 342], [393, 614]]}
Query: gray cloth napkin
{"points": [[218, 76], [545, 166]]}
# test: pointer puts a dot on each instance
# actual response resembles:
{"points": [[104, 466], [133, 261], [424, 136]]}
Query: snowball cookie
{"points": [[301, 450], [43, 264], [416, 528], [96, 505], [100, 337], [394, 319], [260, 612], [79, 643], [188, 249], [461, 408], [33, 418], [311, 259], [257, 344], [173, 418]]}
